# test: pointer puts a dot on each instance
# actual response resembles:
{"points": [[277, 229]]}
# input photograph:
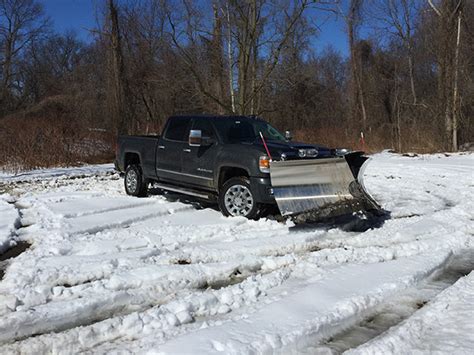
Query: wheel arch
{"points": [[228, 172], [131, 158]]}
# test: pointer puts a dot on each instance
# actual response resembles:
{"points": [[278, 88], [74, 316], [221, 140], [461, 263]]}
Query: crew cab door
{"points": [[199, 162], [170, 149]]}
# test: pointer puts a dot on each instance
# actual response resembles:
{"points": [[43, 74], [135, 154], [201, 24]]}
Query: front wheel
{"points": [[134, 182], [237, 199]]}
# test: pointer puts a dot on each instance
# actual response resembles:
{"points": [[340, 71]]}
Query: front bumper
{"points": [[262, 189]]}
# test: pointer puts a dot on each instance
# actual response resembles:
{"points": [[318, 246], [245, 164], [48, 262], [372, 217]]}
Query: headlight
{"points": [[264, 164], [342, 151], [308, 153]]}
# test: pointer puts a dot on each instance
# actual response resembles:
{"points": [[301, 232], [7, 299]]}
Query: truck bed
{"points": [[144, 146]]}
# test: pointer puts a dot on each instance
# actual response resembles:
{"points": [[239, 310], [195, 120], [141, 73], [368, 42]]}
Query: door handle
{"points": [[161, 147], [187, 150]]}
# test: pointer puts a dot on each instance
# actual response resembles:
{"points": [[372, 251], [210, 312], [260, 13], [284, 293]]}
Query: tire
{"points": [[134, 183], [236, 198]]}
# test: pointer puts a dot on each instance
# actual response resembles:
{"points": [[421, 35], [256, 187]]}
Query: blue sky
{"points": [[79, 15]]}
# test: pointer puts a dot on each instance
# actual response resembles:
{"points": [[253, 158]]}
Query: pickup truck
{"points": [[224, 159]]}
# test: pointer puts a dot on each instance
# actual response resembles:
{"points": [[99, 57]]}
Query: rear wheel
{"points": [[236, 198], [134, 182]]}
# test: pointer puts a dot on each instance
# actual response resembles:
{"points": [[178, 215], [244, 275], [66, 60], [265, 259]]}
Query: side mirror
{"points": [[288, 135], [195, 138]]}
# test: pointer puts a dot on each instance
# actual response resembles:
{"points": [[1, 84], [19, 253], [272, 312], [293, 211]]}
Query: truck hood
{"points": [[291, 150]]}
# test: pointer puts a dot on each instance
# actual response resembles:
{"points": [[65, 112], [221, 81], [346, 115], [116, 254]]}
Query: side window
{"points": [[178, 129], [205, 126]]}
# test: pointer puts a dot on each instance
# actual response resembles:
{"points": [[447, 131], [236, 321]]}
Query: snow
{"points": [[8, 217], [309, 311], [48, 174], [445, 325], [110, 273]]}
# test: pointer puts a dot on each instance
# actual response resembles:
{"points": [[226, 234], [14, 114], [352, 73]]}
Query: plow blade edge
{"points": [[321, 187]]}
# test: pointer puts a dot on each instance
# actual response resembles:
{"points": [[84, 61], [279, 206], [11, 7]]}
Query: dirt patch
{"points": [[183, 262], [233, 279], [13, 252]]}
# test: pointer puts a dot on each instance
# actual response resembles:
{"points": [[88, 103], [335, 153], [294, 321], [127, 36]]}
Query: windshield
{"points": [[236, 131]]}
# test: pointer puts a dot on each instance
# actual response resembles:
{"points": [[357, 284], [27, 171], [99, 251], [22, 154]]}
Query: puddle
{"points": [[398, 308], [13, 252]]}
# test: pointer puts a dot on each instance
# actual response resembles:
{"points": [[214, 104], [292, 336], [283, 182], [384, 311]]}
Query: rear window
{"points": [[178, 129]]}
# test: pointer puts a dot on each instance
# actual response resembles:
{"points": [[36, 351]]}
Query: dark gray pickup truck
{"points": [[223, 158]]}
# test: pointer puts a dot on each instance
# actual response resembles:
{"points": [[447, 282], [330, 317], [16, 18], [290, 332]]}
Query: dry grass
{"points": [[29, 143], [418, 141]]}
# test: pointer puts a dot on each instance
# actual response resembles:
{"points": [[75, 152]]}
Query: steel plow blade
{"points": [[324, 187]]}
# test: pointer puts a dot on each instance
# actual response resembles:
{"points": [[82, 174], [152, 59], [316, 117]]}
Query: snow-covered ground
{"points": [[9, 216], [110, 273]]}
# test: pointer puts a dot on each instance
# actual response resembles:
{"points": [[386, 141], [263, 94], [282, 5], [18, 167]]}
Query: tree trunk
{"points": [[230, 59], [412, 78], [357, 94], [120, 108], [448, 52], [456, 108], [6, 72], [217, 65]]}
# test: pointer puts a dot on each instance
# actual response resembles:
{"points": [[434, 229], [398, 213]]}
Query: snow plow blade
{"points": [[321, 188]]}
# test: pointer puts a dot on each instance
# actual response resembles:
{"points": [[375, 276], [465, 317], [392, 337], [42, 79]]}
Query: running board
{"points": [[183, 190]]}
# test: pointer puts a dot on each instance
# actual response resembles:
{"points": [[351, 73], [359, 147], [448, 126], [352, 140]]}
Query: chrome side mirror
{"points": [[195, 138], [288, 135]]}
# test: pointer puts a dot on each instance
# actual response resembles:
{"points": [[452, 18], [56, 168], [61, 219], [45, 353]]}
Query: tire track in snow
{"points": [[65, 314], [399, 307], [282, 325], [369, 249], [109, 313], [110, 209], [101, 223], [15, 247]]}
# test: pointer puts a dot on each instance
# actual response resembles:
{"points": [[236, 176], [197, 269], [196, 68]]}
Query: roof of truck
{"points": [[220, 117]]}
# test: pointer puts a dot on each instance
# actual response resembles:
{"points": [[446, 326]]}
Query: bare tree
{"points": [[48, 66], [145, 43], [397, 17], [120, 95], [230, 57], [217, 60], [353, 21], [456, 102], [21, 22], [449, 14], [188, 31], [257, 32]]}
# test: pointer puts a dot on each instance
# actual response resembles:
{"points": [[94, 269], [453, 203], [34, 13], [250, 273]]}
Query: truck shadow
{"points": [[357, 222]]}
